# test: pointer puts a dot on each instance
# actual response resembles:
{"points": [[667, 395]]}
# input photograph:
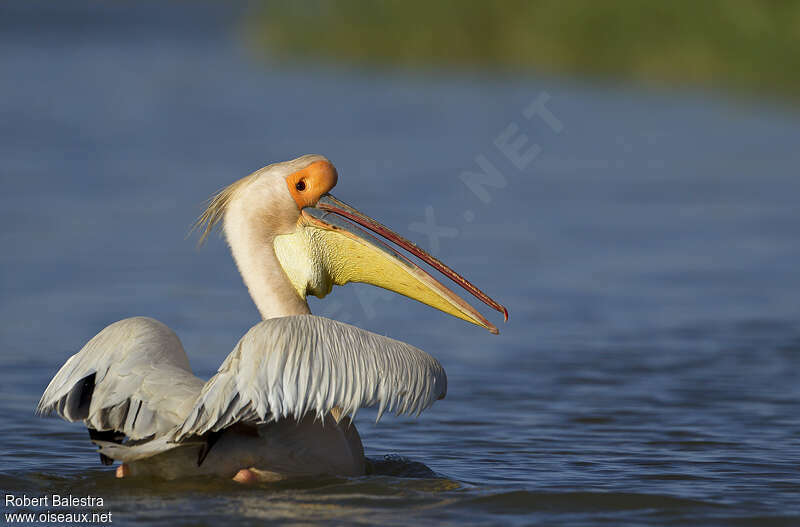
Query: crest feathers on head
{"points": [[215, 210]]}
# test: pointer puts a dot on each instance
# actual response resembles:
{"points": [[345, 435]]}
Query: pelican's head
{"points": [[320, 241]]}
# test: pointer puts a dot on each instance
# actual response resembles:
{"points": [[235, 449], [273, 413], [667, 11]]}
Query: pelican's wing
{"points": [[133, 377], [300, 364]]}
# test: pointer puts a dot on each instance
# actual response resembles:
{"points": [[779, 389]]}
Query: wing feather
{"points": [[294, 365], [132, 377]]}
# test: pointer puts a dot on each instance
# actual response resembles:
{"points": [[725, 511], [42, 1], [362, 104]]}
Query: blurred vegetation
{"points": [[749, 45]]}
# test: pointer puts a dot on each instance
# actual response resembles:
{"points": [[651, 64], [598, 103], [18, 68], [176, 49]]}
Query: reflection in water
{"points": [[398, 466], [407, 484]]}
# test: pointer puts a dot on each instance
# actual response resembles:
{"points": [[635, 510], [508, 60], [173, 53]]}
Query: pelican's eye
{"points": [[300, 185]]}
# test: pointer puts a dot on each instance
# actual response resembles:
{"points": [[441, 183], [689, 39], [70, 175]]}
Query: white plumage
{"points": [[282, 401], [282, 368], [291, 366], [132, 377]]}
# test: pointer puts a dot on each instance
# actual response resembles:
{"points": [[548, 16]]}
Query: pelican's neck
{"points": [[254, 252]]}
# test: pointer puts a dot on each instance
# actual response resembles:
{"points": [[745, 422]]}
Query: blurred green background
{"points": [[647, 251], [736, 45]]}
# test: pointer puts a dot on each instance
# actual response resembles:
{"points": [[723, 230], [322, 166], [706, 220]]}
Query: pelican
{"points": [[282, 403]]}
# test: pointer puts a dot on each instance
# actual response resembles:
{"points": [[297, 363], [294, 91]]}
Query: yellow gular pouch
{"points": [[315, 259], [302, 258]]}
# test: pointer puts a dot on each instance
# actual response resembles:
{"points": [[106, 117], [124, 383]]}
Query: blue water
{"points": [[650, 370]]}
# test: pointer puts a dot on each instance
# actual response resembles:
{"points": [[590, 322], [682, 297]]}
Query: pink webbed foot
{"points": [[123, 470], [245, 476]]}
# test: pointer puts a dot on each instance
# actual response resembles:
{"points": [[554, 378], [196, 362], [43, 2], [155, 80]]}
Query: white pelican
{"points": [[281, 403]]}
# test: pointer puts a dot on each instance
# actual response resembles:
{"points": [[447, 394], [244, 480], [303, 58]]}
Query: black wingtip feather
{"points": [[210, 439], [106, 435]]}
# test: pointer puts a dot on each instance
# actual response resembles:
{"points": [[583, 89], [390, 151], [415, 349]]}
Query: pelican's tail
{"points": [[138, 450]]}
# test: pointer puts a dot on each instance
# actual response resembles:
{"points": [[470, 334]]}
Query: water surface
{"points": [[648, 256]]}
